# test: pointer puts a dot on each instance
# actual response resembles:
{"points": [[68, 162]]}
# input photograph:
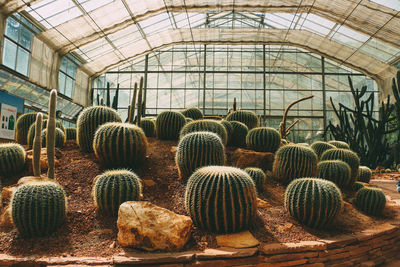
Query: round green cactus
{"points": [[239, 133], [89, 120], [60, 138], [320, 147], [193, 113], [70, 133], [112, 188], [258, 177], [12, 159], [197, 150], [120, 145], [187, 120], [148, 126], [38, 208], [205, 125], [169, 125], [347, 156], [221, 199], [370, 200], [314, 202], [364, 174], [22, 126], [229, 130], [294, 161], [263, 139], [339, 144], [358, 185], [249, 118], [31, 132], [336, 171]]}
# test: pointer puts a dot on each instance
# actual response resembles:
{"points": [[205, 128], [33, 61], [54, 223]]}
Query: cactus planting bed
{"points": [[86, 233]]}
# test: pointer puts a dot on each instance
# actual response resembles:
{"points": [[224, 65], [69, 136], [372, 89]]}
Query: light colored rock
{"points": [[237, 240], [7, 192], [5, 218], [43, 159], [243, 158], [262, 203], [146, 226], [149, 183]]}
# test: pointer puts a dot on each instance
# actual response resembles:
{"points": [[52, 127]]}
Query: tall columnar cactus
{"points": [[336, 171], [120, 145], [31, 132], [247, 117], [229, 129], [12, 159], [88, 122], [364, 174], [140, 102], [22, 126], [221, 199], [339, 144], [148, 126], [60, 138], [294, 161], [51, 134], [258, 177], [70, 133], [239, 133], [314, 202], [38, 208], [263, 139], [169, 125], [205, 125], [193, 113], [131, 115], [320, 147], [347, 156], [198, 149], [112, 188], [370, 200], [37, 145]]}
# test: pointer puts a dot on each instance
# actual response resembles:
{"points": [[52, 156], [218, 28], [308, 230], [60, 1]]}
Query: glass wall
{"points": [[67, 75]]}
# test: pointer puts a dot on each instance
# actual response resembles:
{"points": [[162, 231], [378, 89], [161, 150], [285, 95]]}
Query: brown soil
{"points": [[85, 233]]}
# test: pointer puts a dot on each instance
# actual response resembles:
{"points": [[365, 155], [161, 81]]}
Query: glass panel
{"points": [[69, 86], [10, 53], [12, 29], [23, 61], [26, 38], [61, 82]]}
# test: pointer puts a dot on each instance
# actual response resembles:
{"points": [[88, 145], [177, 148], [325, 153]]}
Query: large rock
{"points": [[146, 226], [243, 158], [44, 165], [237, 240]]}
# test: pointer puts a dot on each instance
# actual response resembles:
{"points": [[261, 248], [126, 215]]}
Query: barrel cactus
{"points": [[320, 147], [60, 138], [38, 208], [336, 171], [187, 120], [229, 129], [263, 139], [88, 122], [193, 113], [31, 132], [169, 125], [70, 133], [148, 126], [294, 161], [120, 144], [112, 188], [339, 144], [370, 200], [12, 159], [258, 177], [358, 185], [221, 199], [205, 125], [314, 202], [197, 150], [249, 118], [364, 174], [22, 126], [239, 133]]}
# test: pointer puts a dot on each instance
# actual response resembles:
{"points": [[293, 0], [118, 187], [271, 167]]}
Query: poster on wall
{"points": [[8, 116]]}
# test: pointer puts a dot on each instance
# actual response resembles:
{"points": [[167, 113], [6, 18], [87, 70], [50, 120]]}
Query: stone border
{"points": [[367, 248]]}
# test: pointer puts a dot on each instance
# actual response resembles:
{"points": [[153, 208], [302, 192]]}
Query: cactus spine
{"points": [[148, 126], [263, 139], [258, 177], [70, 133], [239, 133], [37, 146], [371, 200], [193, 113], [205, 125], [169, 125], [314, 202], [221, 199], [364, 174], [51, 133], [339, 144], [197, 150], [320, 147], [247, 117], [112, 188], [12, 159], [336, 171], [22, 126]]}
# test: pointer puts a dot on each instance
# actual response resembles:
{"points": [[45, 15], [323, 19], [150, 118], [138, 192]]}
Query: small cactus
{"points": [[60, 138], [31, 132], [314, 202], [339, 144], [12, 159], [112, 188], [148, 126], [258, 177], [229, 130], [364, 174], [169, 125], [370, 200], [221, 199], [320, 147], [198, 149], [205, 125], [263, 139], [239, 133], [336, 171], [358, 185], [193, 113], [70, 133], [22, 126], [249, 118]]}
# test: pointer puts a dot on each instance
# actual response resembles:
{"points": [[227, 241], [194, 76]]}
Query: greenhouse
{"points": [[197, 132]]}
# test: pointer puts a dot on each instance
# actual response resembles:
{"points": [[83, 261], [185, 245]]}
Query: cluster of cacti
{"points": [[364, 174], [205, 125], [31, 132], [239, 133], [120, 144], [320, 147], [197, 150], [336, 171], [339, 144], [12, 159], [263, 139], [314, 202], [221, 199], [148, 126], [193, 113], [370, 200], [169, 125], [70, 133], [38, 208], [229, 129], [258, 177], [88, 122], [249, 118], [294, 161], [358, 185], [112, 188], [22, 126], [347, 156], [60, 138]]}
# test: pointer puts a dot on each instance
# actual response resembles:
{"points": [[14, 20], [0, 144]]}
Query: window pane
{"points": [[64, 65], [10, 53], [26, 38], [61, 82], [69, 86], [12, 29], [23, 61], [71, 69]]}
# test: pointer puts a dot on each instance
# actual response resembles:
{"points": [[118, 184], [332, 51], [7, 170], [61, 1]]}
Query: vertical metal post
{"points": [[204, 79], [146, 68], [264, 88], [323, 94]]}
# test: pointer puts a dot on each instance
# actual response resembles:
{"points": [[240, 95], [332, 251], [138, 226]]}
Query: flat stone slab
{"points": [[153, 258], [223, 253], [237, 240], [279, 248]]}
